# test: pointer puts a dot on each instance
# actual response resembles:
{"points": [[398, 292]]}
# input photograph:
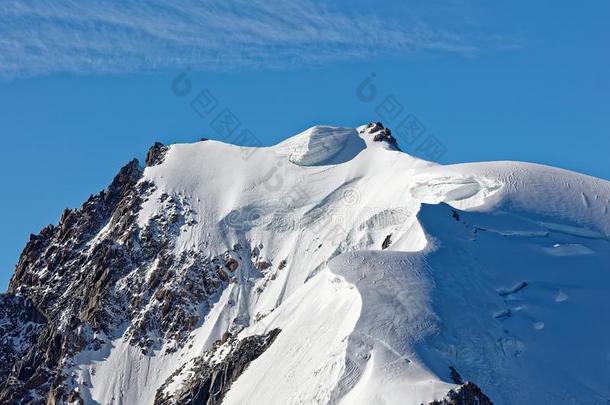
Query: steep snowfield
{"points": [[510, 286]]}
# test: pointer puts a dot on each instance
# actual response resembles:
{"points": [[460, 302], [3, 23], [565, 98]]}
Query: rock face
{"points": [[467, 394], [125, 274], [58, 260], [210, 379], [156, 154], [381, 134], [117, 272], [386, 242], [20, 327]]}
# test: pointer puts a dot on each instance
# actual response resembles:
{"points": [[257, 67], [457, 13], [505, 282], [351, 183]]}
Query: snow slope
{"points": [[498, 269]]}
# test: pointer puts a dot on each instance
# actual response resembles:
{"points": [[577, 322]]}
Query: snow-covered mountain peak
{"points": [[325, 145], [331, 268]]}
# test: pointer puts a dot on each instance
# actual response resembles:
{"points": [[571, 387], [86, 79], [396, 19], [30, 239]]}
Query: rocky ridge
{"points": [[208, 378], [77, 282]]}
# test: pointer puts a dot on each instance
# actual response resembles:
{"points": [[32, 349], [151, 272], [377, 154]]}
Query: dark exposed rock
{"points": [[55, 261], [263, 264], [381, 134], [232, 264], [225, 337], [386, 242], [385, 135], [373, 127], [109, 281], [20, 326], [222, 275], [208, 382], [467, 394], [156, 154]]}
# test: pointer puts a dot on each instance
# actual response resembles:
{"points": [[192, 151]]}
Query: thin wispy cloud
{"points": [[45, 37]]}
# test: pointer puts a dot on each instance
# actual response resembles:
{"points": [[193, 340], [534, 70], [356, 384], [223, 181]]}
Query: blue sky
{"points": [[84, 90]]}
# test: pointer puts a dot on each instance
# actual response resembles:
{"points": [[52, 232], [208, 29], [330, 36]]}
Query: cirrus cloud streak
{"points": [[46, 37]]}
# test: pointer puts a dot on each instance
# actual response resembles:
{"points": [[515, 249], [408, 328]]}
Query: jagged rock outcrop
{"points": [[210, 379], [156, 154], [58, 260], [20, 327], [467, 394], [116, 272], [386, 242], [381, 134]]}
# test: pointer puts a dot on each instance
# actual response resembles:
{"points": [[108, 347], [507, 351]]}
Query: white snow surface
{"points": [[365, 325]]}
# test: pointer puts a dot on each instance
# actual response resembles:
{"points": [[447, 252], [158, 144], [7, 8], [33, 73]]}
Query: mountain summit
{"points": [[331, 268]]}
